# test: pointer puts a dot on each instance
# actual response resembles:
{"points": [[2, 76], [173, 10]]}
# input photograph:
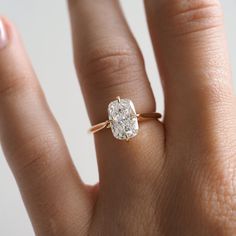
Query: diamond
{"points": [[123, 118]]}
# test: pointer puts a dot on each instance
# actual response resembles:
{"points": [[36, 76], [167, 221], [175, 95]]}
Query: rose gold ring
{"points": [[123, 119]]}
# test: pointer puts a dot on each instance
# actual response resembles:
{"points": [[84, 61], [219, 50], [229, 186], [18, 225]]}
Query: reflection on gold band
{"points": [[141, 117]]}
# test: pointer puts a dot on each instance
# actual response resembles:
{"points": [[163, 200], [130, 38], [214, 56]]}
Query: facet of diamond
{"points": [[123, 119]]}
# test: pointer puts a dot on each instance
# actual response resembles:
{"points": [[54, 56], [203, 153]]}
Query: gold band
{"points": [[141, 117]]}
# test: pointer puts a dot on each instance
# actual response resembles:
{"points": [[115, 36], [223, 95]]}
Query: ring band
{"points": [[123, 119]]}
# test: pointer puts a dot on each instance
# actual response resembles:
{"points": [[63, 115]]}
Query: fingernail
{"points": [[3, 35]]}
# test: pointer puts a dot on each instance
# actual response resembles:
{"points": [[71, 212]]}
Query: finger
{"points": [[34, 146], [107, 58], [189, 40], [109, 64]]}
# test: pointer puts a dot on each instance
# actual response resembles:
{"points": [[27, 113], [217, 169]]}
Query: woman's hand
{"points": [[177, 177]]}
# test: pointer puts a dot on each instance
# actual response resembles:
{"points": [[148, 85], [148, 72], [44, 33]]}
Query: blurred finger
{"points": [[34, 145]]}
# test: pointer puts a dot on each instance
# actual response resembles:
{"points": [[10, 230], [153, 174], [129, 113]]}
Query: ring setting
{"points": [[123, 119]]}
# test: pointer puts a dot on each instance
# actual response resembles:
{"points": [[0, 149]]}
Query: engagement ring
{"points": [[123, 119]]}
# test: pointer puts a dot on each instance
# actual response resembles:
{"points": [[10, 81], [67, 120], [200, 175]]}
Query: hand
{"points": [[176, 177]]}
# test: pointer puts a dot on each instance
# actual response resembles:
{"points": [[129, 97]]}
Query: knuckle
{"points": [[190, 16], [111, 68], [12, 84], [36, 155]]}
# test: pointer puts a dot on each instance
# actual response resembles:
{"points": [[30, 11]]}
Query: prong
{"points": [[108, 125], [118, 98], [127, 138]]}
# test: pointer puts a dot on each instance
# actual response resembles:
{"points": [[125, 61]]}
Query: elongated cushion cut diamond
{"points": [[123, 119]]}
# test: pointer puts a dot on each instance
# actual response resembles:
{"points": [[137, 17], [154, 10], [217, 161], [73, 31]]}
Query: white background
{"points": [[45, 30]]}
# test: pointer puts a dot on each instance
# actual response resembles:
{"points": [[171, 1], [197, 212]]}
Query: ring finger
{"points": [[109, 64]]}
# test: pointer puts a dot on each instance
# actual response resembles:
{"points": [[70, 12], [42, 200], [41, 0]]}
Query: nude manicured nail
{"points": [[3, 35]]}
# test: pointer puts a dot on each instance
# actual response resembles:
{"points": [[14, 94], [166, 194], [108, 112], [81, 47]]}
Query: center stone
{"points": [[124, 122]]}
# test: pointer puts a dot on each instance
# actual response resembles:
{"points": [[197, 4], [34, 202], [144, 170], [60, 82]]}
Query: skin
{"points": [[177, 177]]}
